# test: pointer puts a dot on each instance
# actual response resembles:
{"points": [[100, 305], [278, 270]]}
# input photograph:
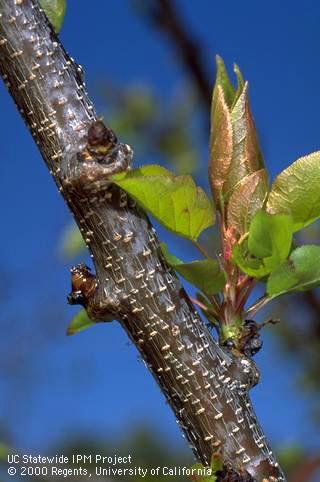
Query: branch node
{"points": [[102, 157], [98, 302]]}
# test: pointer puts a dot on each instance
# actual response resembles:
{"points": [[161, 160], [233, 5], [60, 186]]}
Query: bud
{"points": [[234, 148]]}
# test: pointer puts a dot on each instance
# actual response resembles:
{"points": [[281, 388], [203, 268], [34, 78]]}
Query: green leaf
{"points": [[197, 468], [5, 451], [234, 147], [270, 235], [296, 191], [222, 79], [240, 85], [72, 242], [207, 474], [268, 245], [300, 272], [246, 154], [290, 456], [147, 170], [79, 323], [246, 199], [221, 143], [216, 463], [170, 258], [252, 266], [55, 11], [175, 201], [205, 274], [199, 472]]}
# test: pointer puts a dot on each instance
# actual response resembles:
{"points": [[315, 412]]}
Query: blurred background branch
{"points": [[165, 16]]}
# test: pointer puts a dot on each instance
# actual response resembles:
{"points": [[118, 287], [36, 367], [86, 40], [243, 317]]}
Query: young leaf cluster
{"points": [[257, 222]]}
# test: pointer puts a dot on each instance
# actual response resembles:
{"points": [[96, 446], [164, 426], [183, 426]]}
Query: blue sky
{"points": [[93, 383]]}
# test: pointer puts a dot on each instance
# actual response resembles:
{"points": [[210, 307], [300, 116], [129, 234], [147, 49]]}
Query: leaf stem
{"points": [[216, 304], [206, 309], [202, 249], [260, 303], [243, 237], [247, 286]]}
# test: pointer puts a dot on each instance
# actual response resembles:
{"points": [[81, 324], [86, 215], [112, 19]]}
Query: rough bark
{"points": [[206, 386]]}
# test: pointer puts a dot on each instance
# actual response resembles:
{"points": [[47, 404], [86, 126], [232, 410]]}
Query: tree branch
{"points": [[164, 15], [206, 386]]}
